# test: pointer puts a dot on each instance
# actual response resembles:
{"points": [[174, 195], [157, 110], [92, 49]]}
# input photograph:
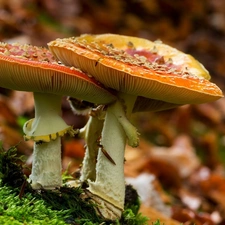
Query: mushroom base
{"points": [[105, 209]]}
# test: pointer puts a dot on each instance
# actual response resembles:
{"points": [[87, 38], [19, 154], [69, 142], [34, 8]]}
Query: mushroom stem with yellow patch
{"points": [[46, 129]]}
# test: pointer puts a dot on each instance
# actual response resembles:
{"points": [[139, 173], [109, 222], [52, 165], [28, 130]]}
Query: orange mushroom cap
{"points": [[140, 67], [34, 69]]}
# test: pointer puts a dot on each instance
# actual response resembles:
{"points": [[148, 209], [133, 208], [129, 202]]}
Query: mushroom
{"points": [[34, 69], [91, 133], [142, 72]]}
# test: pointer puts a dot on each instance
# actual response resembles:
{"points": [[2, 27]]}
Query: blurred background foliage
{"points": [[177, 145]]}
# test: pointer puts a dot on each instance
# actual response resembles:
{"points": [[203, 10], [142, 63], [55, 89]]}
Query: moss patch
{"points": [[20, 204]]}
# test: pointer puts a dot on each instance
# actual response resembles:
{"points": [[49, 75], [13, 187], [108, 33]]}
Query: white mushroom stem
{"points": [[92, 134], [110, 184], [46, 129], [46, 166]]}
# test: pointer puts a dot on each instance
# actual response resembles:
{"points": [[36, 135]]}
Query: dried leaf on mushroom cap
{"points": [[35, 69], [139, 67]]}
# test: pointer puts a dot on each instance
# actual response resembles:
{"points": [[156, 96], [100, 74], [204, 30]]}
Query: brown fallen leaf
{"points": [[188, 216], [11, 137], [21, 102], [166, 172], [136, 159], [7, 114], [209, 143], [181, 155], [154, 215], [208, 113], [73, 148], [213, 188]]}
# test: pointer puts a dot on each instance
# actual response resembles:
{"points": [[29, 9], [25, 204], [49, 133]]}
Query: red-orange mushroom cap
{"points": [[34, 69], [140, 67]]}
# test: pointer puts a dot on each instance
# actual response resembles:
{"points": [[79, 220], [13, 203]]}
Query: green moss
{"points": [[27, 210], [20, 204], [11, 173]]}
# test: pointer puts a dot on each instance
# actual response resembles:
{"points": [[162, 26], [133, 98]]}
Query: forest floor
{"points": [[181, 157]]}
